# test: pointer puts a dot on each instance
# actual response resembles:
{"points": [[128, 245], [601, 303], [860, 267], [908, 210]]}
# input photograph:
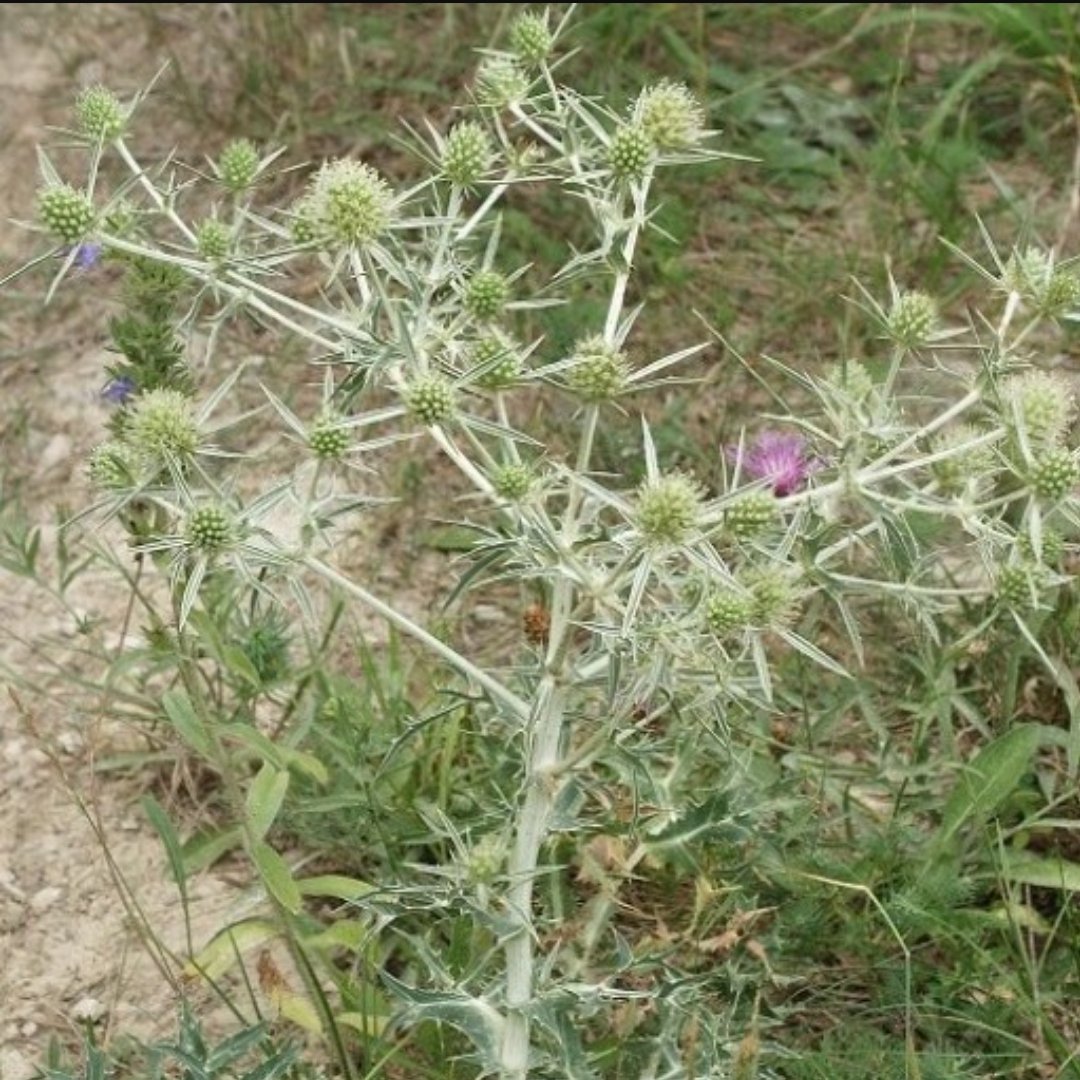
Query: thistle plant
{"points": [[661, 590]]}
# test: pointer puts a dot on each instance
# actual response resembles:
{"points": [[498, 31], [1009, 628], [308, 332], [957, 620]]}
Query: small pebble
{"points": [[44, 899], [14, 1066], [57, 451]]}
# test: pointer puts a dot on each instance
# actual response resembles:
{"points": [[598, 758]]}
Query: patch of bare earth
{"points": [[69, 950]]}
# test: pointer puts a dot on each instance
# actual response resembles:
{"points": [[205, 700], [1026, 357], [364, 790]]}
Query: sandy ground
{"points": [[68, 949]]}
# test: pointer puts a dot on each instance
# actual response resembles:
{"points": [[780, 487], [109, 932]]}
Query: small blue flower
{"points": [[119, 391], [87, 254]]}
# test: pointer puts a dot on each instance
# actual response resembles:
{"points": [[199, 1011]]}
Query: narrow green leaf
{"points": [[989, 779], [225, 947], [185, 720], [204, 849], [1046, 873], [335, 885], [173, 849], [277, 877], [264, 798], [305, 762], [239, 663]]}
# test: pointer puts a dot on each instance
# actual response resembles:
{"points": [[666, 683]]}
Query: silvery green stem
{"points": [[545, 736], [151, 190], [465, 667]]}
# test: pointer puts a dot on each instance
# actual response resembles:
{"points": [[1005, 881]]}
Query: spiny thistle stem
{"points": [[545, 738], [460, 664]]}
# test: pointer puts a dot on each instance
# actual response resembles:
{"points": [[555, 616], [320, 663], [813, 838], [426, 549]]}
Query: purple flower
{"points": [[119, 391], [776, 456], [87, 254]]}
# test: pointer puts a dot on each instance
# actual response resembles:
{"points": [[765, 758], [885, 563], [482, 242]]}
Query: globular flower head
{"points": [[500, 83], [350, 204], [912, 319], [512, 481], [466, 154], [303, 223], [599, 371], [486, 294], [775, 599], [751, 515], [498, 359], [1054, 474], [328, 438], [238, 165], [973, 463], [670, 114], [484, 860], [208, 529], [777, 456], [1020, 584], [630, 152], [66, 212], [728, 612], [212, 239], [162, 424], [531, 39], [1048, 288], [431, 399], [99, 113], [1042, 402], [1052, 548], [668, 508], [113, 466]]}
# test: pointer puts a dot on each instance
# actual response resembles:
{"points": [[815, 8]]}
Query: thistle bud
{"points": [[66, 212], [1042, 402], [212, 240], [1019, 585], [599, 371], [161, 423], [630, 152], [775, 601], [466, 154], [500, 83], [485, 859], [751, 515], [431, 399], [912, 320], [208, 529], [531, 39], [113, 467], [728, 612], [99, 114], [1054, 474], [498, 361], [486, 294], [238, 165], [512, 482], [328, 439], [667, 509], [1052, 549], [670, 115], [350, 203]]}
